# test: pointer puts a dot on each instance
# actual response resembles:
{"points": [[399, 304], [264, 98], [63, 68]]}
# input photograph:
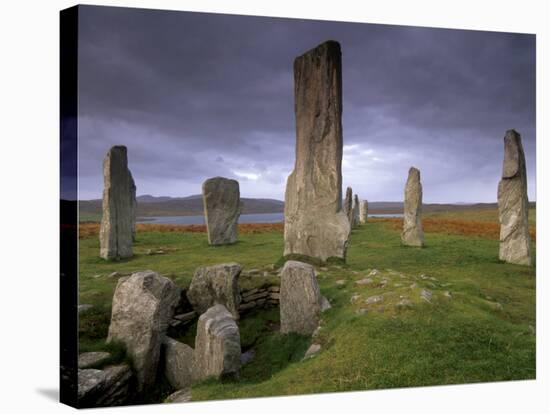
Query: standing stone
{"points": [[363, 211], [217, 345], [143, 304], [216, 284], [300, 300], [178, 363], [222, 208], [355, 212], [315, 224], [348, 205], [513, 205], [118, 220], [133, 200], [413, 235]]}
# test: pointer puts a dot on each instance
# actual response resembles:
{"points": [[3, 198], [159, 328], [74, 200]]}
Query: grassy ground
{"points": [[483, 332]]}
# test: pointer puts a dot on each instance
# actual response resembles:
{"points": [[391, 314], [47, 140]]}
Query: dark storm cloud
{"points": [[195, 95]]}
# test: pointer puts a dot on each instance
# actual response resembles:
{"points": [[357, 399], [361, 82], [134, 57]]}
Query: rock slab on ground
{"points": [[114, 385], [513, 204], [119, 206], [222, 208], [300, 302], [315, 224], [143, 305], [90, 359], [217, 345], [216, 284], [413, 235]]}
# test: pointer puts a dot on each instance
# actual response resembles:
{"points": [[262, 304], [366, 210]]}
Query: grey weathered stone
{"points": [[89, 359], [413, 235], [180, 396], [348, 204], [217, 345], [315, 224], [426, 295], [513, 204], [119, 206], [216, 284], [114, 385], [178, 363], [84, 308], [133, 205], [313, 350], [222, 208], [363, 211], [143, 305], [374, 299], [355, 212], [300, 300]]}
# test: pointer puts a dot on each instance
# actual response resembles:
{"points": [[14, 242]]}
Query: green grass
{"points": [[484, 332]]}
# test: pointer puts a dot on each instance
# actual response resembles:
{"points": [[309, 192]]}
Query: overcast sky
{"points": [[197, 95]]}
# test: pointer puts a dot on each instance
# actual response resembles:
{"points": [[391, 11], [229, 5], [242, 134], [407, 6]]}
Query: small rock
{"points": [[447, 294], [374, 299], [83, 308], [426, 295], [325, 304], [397, 284], [340, 282], [424, 277], [497, 306], [115, 274], [404, 303], [355, 298], [89, 359], [312, 351], [179, 396], [413, 286], [366, 281], [316, 332], [96, 276], [323, 269], [362, 311], [373, 272]]}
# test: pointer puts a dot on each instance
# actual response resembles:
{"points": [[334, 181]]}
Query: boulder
{"points": [[513, 204], [178, 363], [216, 284], [114, 385], [143, 305], [119, 206], [300, 302], [217, 345], [315, 224], [222, 208], [363, 211], [413, 235]]}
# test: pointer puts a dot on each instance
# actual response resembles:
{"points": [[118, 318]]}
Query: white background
{"points": [[29, 147]]}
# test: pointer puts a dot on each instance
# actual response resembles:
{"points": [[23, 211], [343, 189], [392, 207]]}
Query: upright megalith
{"points": [[363, 211], [300, 300], [133, 201], [348, 204], [513, 205], [355, 212], [143, 304], [413, 235], [315, 224], [218, 284], [222, 208], [217, 345], [119, 200]]}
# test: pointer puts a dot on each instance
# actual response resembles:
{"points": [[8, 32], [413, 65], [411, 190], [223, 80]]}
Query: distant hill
{"points": [[150, 206]]}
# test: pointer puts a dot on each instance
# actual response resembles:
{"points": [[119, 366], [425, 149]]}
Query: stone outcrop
{"points": [[413, 235], [348, 204], [222, 208], [363, 211], [216, 284], [300, 301], [355, 212], [217, 345], [143, 304], [513, 204], [178, 363], [114, 385], [315, 224], [119, 206]]}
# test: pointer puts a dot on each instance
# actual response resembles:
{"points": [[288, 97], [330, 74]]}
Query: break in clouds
{"points": [[197, 95]]}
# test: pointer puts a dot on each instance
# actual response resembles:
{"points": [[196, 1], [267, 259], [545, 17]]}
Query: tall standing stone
{"points": [[118, 220], [413, 235], [143, 304], [363, 211], [315, 224], [348, 204], [133, 200], [513, 204], [222, 208], [355, 212], [217, 345], [300, 301]]}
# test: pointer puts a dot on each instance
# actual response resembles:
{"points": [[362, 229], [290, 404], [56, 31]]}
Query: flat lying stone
{"points": [[88, 359], [180, 396]]}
